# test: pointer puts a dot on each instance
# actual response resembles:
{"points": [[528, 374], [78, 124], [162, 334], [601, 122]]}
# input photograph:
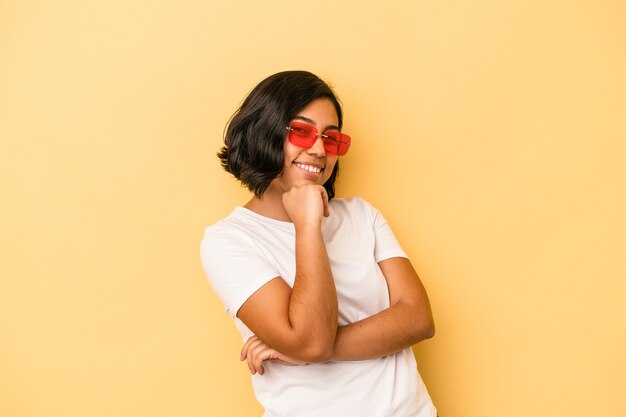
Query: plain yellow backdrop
{"points": [[491, 134]]}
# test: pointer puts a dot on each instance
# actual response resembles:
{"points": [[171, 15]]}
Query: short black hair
{"points": [[254, 137]]}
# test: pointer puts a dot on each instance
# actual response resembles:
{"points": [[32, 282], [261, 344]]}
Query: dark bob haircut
{"points": [[254, 139]]}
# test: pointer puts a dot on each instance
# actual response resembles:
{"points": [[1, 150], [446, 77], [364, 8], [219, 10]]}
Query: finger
{"points": [[250, 364], [258, 366], [246, 347], [255, 360], [263, 355], [251, 367], [253, 346]]}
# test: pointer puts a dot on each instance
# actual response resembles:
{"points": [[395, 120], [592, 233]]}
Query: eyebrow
{"points": [[311, 121]]}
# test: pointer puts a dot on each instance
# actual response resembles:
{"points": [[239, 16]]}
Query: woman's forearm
{"points": [[313, 302], [407, 321], [390, 331]]}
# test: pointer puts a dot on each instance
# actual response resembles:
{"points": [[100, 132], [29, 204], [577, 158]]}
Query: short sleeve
{"points": [[234, 267], [386, 244]]}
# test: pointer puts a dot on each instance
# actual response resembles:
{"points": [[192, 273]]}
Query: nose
{"points": [[317, 149]]}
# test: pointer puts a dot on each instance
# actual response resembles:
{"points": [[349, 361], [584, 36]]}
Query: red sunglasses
{"points": [[304, 135]]}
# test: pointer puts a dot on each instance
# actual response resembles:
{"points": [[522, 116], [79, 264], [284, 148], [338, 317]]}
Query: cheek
{"points": [[330, 166], [291, 152], [288, 155]]}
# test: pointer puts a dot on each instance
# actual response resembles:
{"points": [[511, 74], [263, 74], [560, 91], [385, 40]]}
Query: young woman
{"points": [[326, 301]]}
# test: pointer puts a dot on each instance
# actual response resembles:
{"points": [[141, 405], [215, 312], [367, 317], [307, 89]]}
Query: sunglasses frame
{"points": [[340, 141]]}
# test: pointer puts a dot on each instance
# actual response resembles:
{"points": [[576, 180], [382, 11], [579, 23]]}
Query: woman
{"points": [[324, 297]]}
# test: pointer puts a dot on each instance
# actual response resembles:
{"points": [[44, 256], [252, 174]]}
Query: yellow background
{"points": [[491, 134]]}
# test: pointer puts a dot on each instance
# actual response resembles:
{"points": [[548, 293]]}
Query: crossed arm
{"points": [[407, 321], [298, 324]]}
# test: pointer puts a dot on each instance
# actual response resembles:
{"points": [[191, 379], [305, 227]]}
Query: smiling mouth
{"points": [[310, 168]]}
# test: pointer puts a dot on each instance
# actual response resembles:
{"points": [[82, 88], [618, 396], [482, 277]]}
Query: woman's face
{"points": [[309, 165]]}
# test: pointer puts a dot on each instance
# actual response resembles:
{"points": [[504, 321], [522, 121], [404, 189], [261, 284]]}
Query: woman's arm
{"points": [[300, 322], [407, 321]]}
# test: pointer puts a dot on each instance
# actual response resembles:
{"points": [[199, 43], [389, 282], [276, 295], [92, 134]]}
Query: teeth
{"points": [[309, 168]]}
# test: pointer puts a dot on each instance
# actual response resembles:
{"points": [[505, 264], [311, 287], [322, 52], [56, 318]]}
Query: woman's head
{"points": [[255, 136]]}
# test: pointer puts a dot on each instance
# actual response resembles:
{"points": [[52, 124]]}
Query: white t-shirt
{"points": [[245, 250]]}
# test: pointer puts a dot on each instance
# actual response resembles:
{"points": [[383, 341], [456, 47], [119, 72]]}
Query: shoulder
{"points": [[227, 233], [349, 203], [353, 206], [222, 228]]}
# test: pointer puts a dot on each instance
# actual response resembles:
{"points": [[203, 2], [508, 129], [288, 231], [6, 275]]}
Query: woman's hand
{"points": [[306, 204], [257, 352]]}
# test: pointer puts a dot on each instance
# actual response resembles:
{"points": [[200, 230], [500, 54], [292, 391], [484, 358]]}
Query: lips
{"points": [[314, 169]]}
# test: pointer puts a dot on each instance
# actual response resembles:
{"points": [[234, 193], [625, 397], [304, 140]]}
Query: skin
{"points": [[298, 325]]}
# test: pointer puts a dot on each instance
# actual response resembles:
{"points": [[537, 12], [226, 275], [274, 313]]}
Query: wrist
{"points": [[308, 226]]}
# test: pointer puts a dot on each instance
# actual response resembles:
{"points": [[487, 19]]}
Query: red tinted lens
{"points": [[337, 143], [302, 134]]}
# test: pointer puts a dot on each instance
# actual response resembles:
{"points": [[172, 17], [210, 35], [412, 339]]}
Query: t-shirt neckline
{"points": [[280, 223], [249, 213]]}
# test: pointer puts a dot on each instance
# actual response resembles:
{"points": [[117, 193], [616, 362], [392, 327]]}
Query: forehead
{"points": [[320, 112]]}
